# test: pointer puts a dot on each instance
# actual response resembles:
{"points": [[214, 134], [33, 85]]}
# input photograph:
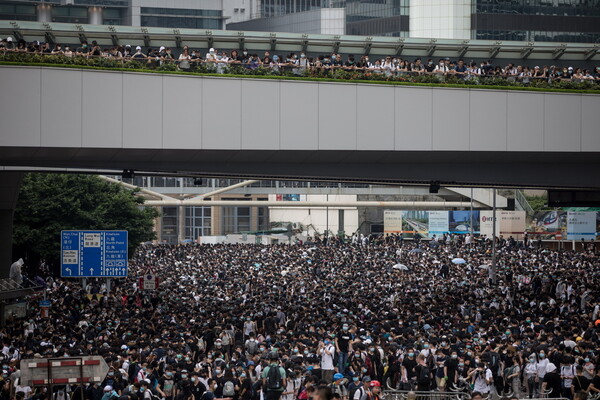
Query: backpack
{"points": [[274, 378], [424, 374], [494, 362], [228, 389], [256, 387], [353, 393], [252, 347]]}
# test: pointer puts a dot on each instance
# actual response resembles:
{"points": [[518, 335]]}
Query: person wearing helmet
{"points": [[339, 385], [375, 390]]}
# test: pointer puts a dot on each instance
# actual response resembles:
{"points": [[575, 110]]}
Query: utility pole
{"points": [[494, 240]]}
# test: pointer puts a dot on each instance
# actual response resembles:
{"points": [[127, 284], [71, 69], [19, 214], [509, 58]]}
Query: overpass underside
{"points": [[484, 169]]}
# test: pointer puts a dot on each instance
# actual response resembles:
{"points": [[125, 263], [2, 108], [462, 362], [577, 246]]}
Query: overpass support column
{"points": [[10, 183]]}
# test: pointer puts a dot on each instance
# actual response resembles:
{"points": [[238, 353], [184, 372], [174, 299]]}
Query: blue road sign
{"points": [[45, 303], [94, 254]]}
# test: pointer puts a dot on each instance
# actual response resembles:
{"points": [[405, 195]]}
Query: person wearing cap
{"points": [[138, 55], [274, 379], [211, 57], [109, 393], [339, 385], [363, 391]]}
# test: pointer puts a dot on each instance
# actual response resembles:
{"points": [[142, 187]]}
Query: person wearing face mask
{"points": [[451, 368], [530, 375], [166, 384], [245, 386], [109, 394], [327, 352], [183, 387], [342, 344], [197, 388], [408, 370]]}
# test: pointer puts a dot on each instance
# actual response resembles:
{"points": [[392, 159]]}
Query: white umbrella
{"points": [[484, 266], [458, 260], [401, 267]]}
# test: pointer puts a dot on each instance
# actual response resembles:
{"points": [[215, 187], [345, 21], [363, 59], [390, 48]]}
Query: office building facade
{"points": [[205, 14]]}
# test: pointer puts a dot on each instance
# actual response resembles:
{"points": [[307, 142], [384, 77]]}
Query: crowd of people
{"points": [[301, 64], [323, 320]]}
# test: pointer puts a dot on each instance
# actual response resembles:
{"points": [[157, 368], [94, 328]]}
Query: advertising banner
{"points": [[547, 225], [392, 221], [581, 225], [438, 223], [509, 223], [460, 221]]}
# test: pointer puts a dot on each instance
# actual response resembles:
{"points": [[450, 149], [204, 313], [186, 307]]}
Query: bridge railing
{"points": [[314, 69]]}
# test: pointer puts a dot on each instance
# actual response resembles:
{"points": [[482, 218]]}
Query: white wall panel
{"points": [[375, 117], [525, 121], [142, 111], [299, 111], [221, 110], [182, 112], [562, 122], [61, 108], [260, 115], [487, 120], [337, 116], [450, 119], [413, 124], [20, 106], [102, 109], [590, 120]]}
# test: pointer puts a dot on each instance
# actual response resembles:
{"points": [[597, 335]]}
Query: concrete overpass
{"points": [[70, 118], [282, 129]]}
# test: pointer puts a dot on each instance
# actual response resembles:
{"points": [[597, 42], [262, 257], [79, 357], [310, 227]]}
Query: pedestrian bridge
{"points": [[256, 127]]}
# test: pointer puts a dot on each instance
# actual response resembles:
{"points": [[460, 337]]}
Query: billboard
{"points": [[581, 225], [392, 221], [460, 221], [438, 223], [547, 225], [509, 223]]}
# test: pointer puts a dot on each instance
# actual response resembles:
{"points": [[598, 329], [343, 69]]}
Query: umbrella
{"points": [[484, 266], [458, 261], [416, 251], [401, 267]]}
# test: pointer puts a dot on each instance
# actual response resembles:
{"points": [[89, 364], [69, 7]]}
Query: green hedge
{"points": [[311, 75]]}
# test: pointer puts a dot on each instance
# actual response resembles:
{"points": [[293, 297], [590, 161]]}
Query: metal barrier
{"points": [[416, 395], [434, 395]]}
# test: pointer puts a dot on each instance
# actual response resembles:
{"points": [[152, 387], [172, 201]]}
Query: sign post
{"points": [[94, 254], [148, 281]]}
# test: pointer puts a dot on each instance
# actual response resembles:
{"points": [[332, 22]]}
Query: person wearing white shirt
{"points": [[482, 379], [327, 352]]}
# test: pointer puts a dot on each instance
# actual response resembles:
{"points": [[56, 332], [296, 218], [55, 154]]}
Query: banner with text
{"points": [[581, 225], [509, 223], [392, 221]]}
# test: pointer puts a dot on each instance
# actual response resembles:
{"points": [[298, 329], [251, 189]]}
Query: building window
{"points": [[235, 220], [263, 218], [181, 22], [18, 12], [169, 225], [197, 222]]}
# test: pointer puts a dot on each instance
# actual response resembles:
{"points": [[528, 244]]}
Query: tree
{"points": [[50, 203]]}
